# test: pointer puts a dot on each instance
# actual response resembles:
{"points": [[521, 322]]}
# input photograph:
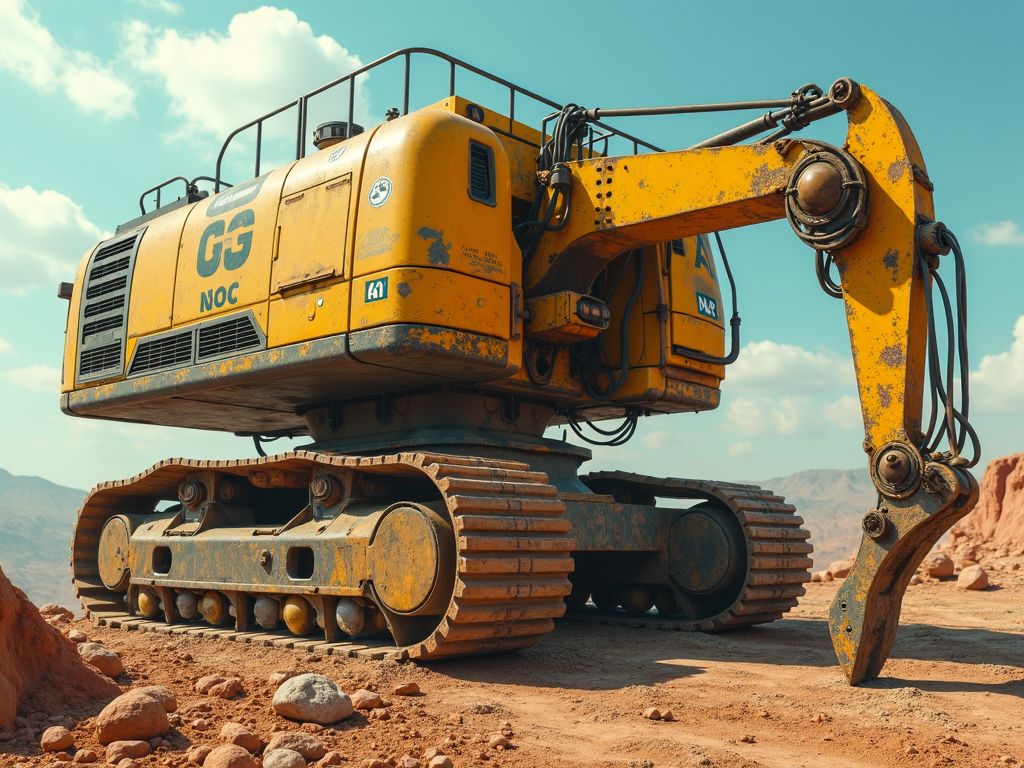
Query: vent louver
{"points": [[481, 173], [164, 352], [226, 337], [107, 286]]}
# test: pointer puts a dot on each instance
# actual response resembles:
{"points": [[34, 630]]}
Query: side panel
{"points": [[226, 250]]}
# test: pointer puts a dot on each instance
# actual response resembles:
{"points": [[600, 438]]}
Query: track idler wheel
{"points": [[707, 560], [299, 616], [637, 600]]}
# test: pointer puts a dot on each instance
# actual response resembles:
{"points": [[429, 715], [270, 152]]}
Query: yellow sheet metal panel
{"points": [[415, 205], [152, 303], [309, 315], [885, 307], [434, 297], [693, 278], [67, 377], [226, 250], [312, 235]]}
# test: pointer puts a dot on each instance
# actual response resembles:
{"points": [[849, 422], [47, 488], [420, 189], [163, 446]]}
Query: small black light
{"points": [[475, 113]]}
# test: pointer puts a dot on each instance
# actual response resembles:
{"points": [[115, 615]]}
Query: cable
{"points": [[618, 436], [258, 441], [823, 269], [734, 322]]}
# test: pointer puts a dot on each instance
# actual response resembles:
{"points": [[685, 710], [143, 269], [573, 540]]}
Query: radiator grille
{"points": [[481, 172], [107, 285], [165, 352], [99, 359], [223, 338]]}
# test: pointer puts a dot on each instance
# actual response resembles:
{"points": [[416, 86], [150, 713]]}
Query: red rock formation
{"points": [[999, 517], [39, 664]]}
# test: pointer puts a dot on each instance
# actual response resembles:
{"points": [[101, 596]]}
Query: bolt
{"points": [[819, 188], [844, 92], [323, 488], [874, 524], [894, 467], [265, 557], [191, 493]]}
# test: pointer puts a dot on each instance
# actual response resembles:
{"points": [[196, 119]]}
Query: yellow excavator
{"points": [[423, 299]]}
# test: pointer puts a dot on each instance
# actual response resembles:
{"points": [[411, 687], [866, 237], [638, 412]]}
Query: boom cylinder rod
{"points": [[687, 109], [818, 109]]}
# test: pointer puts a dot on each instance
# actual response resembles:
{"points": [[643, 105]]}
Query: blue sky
{"points": [[102, 100]]}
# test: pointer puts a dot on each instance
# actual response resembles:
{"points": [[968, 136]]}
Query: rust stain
{"points": [[766, 180], [896, 170], [892, 261], [404, 290], [438, 250], [893, 356], [884, 397]]}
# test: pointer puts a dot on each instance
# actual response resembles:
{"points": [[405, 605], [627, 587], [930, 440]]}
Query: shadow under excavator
{"points": [[601, 657]]}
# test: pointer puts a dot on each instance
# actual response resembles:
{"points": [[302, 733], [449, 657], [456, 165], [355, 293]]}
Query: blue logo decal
{"points": [[235, 197], [376, 290], [707, 306], [336, 154]]}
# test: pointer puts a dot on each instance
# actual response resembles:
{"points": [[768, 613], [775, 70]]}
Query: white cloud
{"points": [[789, 416], [845, 412], [999, 233], [5, 346], [657, 441], [38, 378], [43, 236], [998, 384], [768, 368], [218, 81], [28, 50], [742, 449], [162, 5]]}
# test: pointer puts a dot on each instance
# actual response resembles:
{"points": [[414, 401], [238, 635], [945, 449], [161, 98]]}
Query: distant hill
{"points": [[832, 503], [36, 520]]}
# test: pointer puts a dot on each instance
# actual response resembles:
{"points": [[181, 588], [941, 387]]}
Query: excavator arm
{"points": [[869, 206]]}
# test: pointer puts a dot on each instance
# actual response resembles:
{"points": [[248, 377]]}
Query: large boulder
{"points": [[939, 565], [229, 756], [38, 665], [998, 517], [161, 693], [312, 698], [102, 658], [131, 716], [283, 758], [972, 577]]}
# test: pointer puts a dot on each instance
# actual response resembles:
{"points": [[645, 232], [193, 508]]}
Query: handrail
{"points": [[453, 63]]}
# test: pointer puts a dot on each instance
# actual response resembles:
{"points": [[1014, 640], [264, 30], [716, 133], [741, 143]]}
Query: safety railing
{"points": [[603, 133]]}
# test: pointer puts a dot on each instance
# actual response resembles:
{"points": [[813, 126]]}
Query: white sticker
{"points": [[380, 191], [336, 154]]}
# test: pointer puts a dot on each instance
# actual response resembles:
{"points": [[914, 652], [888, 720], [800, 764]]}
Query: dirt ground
{"points": [[951, 693]]}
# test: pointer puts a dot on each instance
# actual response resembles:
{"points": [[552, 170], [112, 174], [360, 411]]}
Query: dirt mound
{"points": [[999, 517], [38, 664]]}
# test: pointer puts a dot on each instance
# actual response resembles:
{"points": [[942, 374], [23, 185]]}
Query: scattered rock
{"points": [[497, 740], [78, 636], [85, 756], [312, 698], [939, 565], [162, 694], [308, 746], [56, 739], [331, 758], [198, 754], [652, 713], [405, 689], [229, 756], [440, 761], [128, 763], [119, 750], [840, 569], [972, 577], [236, 733], [818, 717], [277, 678], [52, 609], [379, 714], [821, 576], [132, 715], [102, 658], [227, 689], [668, 715], [201, 724], [915, 580], [364, 699], [480, 708], [455, 719], [407, 761], [748, 739], [283, 758]]}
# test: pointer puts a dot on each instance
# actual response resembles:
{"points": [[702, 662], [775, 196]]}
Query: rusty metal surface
{"points": [[777, 553], [865, 612], [511, 560]]}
